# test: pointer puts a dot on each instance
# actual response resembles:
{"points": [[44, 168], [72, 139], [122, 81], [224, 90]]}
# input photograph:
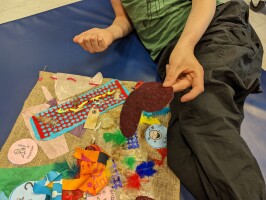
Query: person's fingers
{"points": [[94, 42], [102, 43], [192, 94], [171, 75], [76, 38], [88, 45], [189, 77], [197, 86], [181, 85], [81, 43]]}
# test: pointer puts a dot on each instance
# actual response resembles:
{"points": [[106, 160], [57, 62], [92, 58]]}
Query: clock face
{"points": [[25, 192], [156, 136]]}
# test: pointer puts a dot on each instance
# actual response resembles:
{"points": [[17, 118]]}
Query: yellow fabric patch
{"points": [[149, 120]]}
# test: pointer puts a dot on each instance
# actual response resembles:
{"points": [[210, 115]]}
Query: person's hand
{"points": [[95, 40], [184, 71]]}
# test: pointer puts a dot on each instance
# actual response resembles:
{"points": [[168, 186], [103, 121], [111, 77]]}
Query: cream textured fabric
{"points": [[52, 148], [69, 85]]}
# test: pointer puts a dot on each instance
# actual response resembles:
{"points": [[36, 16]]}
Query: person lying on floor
{"points": [[211, 56]]}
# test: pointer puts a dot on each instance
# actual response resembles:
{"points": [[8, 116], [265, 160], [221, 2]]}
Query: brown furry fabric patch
{"points": [[149, 97]]}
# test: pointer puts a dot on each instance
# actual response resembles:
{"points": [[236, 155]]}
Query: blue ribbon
{"points": [[40, 187]]}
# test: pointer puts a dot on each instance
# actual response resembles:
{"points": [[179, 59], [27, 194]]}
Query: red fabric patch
{"points": [[149, 97], [72, 195]]}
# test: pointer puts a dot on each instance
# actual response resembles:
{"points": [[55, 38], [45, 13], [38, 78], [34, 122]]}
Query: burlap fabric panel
{"points": [[163, 185]]}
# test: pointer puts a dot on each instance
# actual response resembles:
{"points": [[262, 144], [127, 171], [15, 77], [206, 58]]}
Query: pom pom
{"points": [[146, 169], [117, 138], [133, 182], [130, 162]]}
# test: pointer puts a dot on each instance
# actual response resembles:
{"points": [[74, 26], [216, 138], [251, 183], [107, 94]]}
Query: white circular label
{"points": [[22, 151]]}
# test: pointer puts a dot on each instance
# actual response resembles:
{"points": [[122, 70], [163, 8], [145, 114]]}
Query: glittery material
{"points": [[132, 142], [115, 179], [149, 97]]}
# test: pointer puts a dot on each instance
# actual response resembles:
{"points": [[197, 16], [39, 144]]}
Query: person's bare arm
{"points": [[98, 40], [121, 25], [184, 70], [199, 19]]}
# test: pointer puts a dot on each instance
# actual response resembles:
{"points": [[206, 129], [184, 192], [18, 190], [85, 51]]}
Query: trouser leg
{"points": [[205, 149]]}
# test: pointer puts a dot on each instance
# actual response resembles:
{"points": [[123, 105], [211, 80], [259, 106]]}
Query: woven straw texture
{"points": [[163, 185]]}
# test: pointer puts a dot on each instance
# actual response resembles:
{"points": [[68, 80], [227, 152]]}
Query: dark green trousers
{"points": [[205, 149]]}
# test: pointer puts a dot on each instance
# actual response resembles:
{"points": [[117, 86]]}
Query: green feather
{"points": [[129, 161], [117, 138]]}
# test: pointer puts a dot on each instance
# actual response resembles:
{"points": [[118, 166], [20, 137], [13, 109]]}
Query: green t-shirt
{"points": [[157, 22]]}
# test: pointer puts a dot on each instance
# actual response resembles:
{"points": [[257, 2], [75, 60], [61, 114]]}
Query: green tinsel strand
{"points": [[117, 138], [130, 162]]}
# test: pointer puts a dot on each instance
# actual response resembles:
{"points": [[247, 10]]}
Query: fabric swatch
{"points": [[3, 196], [78, 131], [149, 97], [41, 186], [22, 151], [53, 148], [22, 175], [100, 97], [47, 94], [115, 178], [92, 177], [25, 191], [132, 142], [69, 85], [107, 193]]}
